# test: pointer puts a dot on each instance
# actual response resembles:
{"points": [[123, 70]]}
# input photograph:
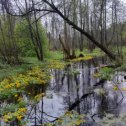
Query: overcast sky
{"points": [[124, 1]]}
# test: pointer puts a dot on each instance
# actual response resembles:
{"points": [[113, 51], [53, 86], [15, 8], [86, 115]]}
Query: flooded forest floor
{"points": [[83, 91]]}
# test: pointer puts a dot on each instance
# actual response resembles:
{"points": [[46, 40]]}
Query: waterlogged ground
{"points": [[78, 88]]}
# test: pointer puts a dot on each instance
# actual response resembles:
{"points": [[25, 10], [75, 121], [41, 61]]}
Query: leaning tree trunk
{"points": [[66, 50], [98, 44]]}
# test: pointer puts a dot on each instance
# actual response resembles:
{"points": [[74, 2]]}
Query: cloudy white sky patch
{"points": [[124, 1]]}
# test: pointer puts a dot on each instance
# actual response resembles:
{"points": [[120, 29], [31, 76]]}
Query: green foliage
{"points": [[9, 51], [106, 73], [55, 64], [86, 52], [56, 55], [24, 40], [8, 70], [44, 40], [112, 120], [71, 118], [13, 89], [29, 62], [123, 66], [86, 57], [73, 72]]}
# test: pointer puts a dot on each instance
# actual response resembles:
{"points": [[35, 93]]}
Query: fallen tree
{"points": [[93, 40], [54, 9]]}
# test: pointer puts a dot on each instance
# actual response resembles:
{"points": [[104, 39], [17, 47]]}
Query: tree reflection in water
{"points": [[73, 89]]}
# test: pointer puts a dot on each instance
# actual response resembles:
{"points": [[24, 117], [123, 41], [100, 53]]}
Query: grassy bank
{"points": [[28, 62]]}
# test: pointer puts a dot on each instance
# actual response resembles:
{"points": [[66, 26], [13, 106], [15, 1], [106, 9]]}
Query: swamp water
{"points": [[76, 88]]}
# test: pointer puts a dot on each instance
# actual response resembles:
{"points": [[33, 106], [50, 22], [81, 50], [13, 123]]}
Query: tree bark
{"points": [[98, 44]]}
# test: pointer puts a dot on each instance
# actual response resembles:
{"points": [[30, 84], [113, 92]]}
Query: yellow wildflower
{"points": [[19, 117], [18, 84], [22, 110], [115, 88], [15, 95], [6, 120]]}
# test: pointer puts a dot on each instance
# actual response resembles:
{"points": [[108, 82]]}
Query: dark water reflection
{"points": [[75, 88]]}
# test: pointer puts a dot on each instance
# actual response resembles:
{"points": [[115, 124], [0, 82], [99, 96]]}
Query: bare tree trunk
{"points": [[81, 45], [98, 44], [39, 43]]}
